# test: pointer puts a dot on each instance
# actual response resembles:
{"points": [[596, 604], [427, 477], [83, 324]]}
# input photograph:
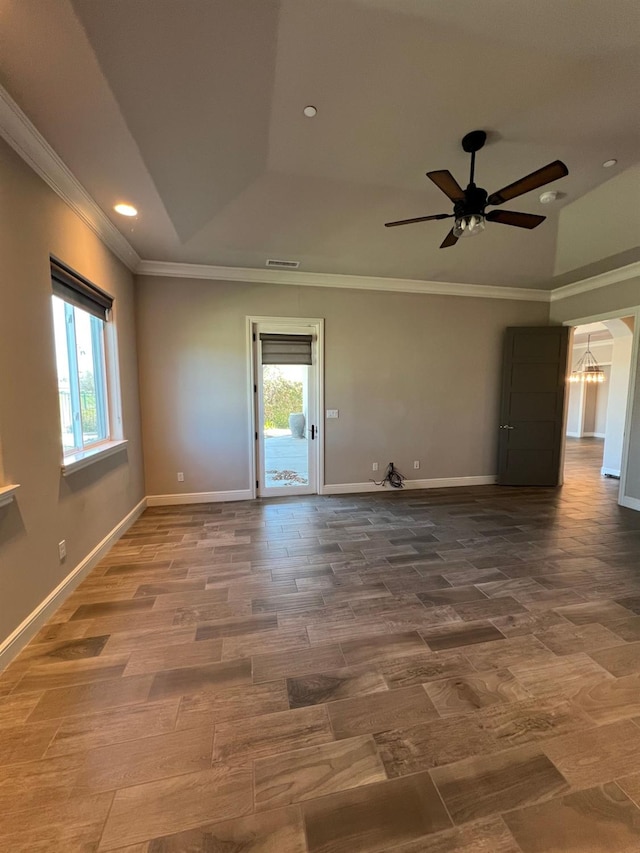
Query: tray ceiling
{"points": [[193, 112]]}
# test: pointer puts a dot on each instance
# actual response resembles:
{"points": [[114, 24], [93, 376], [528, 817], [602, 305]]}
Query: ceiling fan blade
{"points": [[417, 219], [548, 173], [445, 181], [449, 240], [512, 217]]}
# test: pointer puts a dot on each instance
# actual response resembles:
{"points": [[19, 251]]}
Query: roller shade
{"points": [[71, 287], [286, 349]]}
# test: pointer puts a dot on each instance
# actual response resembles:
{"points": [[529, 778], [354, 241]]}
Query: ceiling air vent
{"points": [[283, 265]]}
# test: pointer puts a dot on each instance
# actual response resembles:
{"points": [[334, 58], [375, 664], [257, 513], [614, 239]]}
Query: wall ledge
{"points": [[7, 493], [80, 460]]}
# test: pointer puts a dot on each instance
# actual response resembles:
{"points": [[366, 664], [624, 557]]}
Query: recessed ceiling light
{"points": [[310, 111], [609, 163], [126, 209]]}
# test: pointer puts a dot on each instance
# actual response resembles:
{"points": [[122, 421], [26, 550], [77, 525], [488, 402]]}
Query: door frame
{"points": [[623, 499], [316, 326]]}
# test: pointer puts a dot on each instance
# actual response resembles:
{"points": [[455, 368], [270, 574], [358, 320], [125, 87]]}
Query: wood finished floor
{"points": [[419, 672]]}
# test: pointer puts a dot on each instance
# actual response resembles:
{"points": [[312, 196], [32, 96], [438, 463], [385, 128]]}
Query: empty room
{"points": [[319, 426]]}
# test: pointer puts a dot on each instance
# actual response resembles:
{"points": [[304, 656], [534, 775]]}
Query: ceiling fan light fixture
{"points": [[469, 225]]}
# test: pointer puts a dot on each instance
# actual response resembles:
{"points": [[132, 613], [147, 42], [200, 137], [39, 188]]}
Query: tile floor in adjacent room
{"points": [[423, 672]]}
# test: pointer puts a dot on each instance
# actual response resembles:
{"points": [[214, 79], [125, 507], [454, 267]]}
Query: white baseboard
{"points": [[610, 472], [630, 503], [16, 641], [335, 489], [442, 483], [199, 498], [585, 435]]}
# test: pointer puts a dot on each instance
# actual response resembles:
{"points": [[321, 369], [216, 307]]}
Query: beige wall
{"points": [[593, 303], [414, 377], [617, 398], [590, 404], [632, 483], [84, 507], [602, 400], [575, 409]]}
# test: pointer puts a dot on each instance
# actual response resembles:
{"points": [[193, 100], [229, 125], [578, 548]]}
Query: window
{"points": [[80, 313]]}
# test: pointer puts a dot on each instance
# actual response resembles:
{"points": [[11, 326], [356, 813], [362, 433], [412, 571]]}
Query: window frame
{"points": [[106, 377], [80, 443]]}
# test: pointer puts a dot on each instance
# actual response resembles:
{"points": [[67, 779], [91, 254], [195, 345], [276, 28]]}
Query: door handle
{"points": [[314, 431], [506, 426]]}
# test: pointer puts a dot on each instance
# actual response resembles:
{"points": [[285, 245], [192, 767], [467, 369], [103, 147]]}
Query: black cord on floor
{"points": [[393, 477]]}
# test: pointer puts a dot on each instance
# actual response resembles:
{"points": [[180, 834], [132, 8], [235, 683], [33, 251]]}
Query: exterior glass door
{"points": [[287, 420]]}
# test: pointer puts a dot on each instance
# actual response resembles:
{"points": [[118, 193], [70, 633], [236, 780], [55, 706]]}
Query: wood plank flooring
{"points": [[419, 672]]}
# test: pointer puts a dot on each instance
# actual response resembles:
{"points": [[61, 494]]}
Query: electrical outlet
{"points": [[180, 477], [374, 467], [416, 464], [62, 549]]}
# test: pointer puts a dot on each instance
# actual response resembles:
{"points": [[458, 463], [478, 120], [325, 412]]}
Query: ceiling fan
{"points": [[469, 205]]}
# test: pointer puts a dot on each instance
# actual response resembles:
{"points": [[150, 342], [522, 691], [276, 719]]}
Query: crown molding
{"points": [[28, 142], [250, 275], [594, 282]]}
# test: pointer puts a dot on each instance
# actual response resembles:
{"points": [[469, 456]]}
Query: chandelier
{"points": [[587, 369]]}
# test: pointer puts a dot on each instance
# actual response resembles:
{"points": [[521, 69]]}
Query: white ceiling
{"points": [[193, 112], [593, 331], [603, 332]]}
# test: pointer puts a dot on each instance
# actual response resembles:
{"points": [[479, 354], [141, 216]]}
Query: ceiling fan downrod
{"points": [[471, 143]]}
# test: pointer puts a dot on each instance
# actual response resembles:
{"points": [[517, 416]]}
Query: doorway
{"points": [[597, 410], [286, 362]]}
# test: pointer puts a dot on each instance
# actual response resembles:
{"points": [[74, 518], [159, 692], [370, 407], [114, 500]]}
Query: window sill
{"points": [[7, 494], [75, 462]]}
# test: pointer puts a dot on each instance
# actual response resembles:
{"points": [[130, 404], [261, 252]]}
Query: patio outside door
{"points": [[287, 404]]}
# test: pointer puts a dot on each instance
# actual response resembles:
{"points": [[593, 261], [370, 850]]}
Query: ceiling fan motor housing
{"points": [[474, 202]]}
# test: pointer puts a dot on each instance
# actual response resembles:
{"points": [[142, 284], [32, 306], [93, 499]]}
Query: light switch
{"points": [[332, 413]]}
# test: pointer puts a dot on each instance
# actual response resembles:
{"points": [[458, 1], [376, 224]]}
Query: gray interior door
{"points": [[532, 406]]}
